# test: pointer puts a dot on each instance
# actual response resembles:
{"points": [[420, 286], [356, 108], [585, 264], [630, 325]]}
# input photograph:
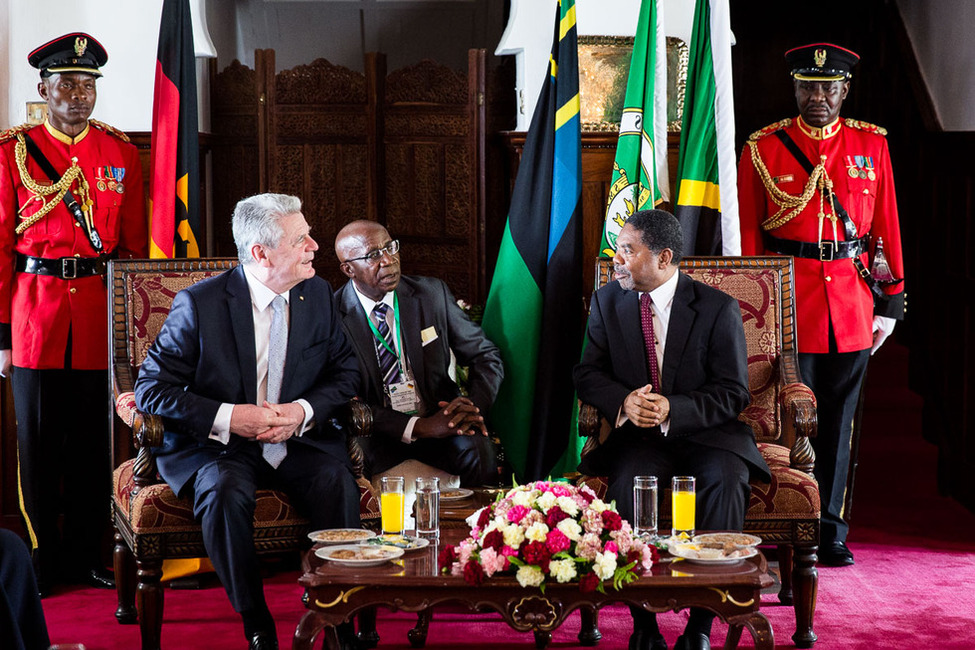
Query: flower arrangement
{"points": [[550, 531]]}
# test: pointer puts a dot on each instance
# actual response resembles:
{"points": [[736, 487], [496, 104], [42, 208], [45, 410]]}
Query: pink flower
{"points": [[492, 562], [561, 490], [611, 547], [588, 546], [517, 513], [557, 541]]}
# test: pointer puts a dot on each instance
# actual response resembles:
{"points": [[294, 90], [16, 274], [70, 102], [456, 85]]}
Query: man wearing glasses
{"points": [[403, 329]]}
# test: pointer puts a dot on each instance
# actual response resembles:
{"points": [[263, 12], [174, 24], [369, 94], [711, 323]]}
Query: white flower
{"points": [[568, 506], [530, 576], [571, 529], [604, 565], [537, 532], [598, 505], [562, 570], [546, 501], [514, 535], [522, 499]]}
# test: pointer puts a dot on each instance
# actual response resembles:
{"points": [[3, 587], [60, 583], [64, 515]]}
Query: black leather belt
{"points": [[66, 268], [825, 251]]}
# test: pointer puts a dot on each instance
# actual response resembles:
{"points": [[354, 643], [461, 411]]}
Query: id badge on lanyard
{"points": [[402, 394]]}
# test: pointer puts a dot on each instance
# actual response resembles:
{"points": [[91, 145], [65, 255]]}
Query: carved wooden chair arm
{"points": [[799, 422], [588, 420]]}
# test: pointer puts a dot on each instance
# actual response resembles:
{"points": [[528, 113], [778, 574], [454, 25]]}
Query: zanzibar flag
{"points": [[174, 220], [707, 196], [534, 308], [640, 179]]}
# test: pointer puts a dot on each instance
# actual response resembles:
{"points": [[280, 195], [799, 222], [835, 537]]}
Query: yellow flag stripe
{"points": [[568, 22], [186, 234], [567, 111], [182, 190], [699, 193]]}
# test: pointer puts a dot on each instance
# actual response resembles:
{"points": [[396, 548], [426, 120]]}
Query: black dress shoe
{"points": [[263, 641], [644, 640], [692, 641], [100, 579], [835, 554]]}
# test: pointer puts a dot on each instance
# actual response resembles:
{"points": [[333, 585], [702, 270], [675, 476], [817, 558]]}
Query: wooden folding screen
{"points": [[407, 149]]}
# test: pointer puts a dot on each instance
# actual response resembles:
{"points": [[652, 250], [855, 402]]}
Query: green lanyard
{"points": [[399, 332]]}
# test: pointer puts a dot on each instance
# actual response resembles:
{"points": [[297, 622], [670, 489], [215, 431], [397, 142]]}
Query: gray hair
{"points": [[256, 221]]}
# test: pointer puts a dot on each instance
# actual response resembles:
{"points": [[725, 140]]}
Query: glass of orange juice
{"points": [[391, 504], [683, 499]]}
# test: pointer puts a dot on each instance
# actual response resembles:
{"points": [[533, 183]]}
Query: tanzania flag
{"points": [[533, 311], [640, 178], [174, 209], [708, 215]]}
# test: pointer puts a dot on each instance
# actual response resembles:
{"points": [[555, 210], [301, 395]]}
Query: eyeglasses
{"points": [[374, 256]]}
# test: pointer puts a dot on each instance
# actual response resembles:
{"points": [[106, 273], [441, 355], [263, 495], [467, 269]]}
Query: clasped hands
{"points": [[268, 422], [459, 417], [645, 408]]}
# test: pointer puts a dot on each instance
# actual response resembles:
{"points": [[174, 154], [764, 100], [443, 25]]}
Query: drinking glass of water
{"points": [[428, 507], [645, 506]]}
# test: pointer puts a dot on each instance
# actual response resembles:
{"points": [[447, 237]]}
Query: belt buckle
{"points": [[825, 246], [69, 268]]}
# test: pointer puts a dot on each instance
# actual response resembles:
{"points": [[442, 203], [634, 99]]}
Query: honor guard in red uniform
{"points": [[71, 198], [820, 188]]}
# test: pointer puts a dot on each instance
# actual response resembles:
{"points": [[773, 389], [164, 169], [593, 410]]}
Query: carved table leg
{"points": [[589, 634], [149, 599], [310, 625], [761, 631], [124, 565], [806, 580], [542, 639], [785, 556], [368, 634], [418, 635], [734, 635]]}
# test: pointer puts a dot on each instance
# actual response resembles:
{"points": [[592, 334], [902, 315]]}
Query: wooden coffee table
{"points": [[412, 583]]}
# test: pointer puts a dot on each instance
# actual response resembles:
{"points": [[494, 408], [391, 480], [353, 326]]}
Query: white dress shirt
{"points": [[663, 302], [261, 297]]}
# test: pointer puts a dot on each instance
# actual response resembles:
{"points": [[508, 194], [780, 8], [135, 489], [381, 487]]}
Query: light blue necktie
{"points": [[274, 452]]}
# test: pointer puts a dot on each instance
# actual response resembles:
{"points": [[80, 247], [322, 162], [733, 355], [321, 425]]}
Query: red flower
{"points": [[588, 496], [473, 573], [588, 582], [538, 554], [484, 517], [554, 516], [612, 520], [494, 540], [447, 557]]}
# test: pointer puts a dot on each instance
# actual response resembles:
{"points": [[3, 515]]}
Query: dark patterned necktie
{"points": [[649, 339], [388, 363], [277, 350]]}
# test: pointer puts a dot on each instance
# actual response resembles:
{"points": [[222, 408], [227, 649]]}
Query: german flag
{"points": [[534, 308], [174, 211]]}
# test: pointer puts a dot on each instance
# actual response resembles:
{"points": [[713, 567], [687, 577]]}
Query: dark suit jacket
{"points": [[424, 303], [704, 372], [204, 356]]}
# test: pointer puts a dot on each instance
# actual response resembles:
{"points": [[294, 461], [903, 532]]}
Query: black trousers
{"points": [[22, 625], [722, 477], [835, 378], [64, 455], [473, 458], [223, 494]]}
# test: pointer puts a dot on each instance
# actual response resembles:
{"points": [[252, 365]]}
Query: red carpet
{"points": [[913, 586]]}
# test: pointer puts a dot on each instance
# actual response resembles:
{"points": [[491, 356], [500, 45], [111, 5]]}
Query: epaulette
{"points": [[771, 128], [865, 126], [12, 132], [109, 129]]}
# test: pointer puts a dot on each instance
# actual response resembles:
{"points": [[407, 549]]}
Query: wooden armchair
{"points": [[785, 512], [151, 523]]}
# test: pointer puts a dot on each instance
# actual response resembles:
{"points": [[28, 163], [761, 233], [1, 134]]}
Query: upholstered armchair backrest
{"points": [[763, 287]]}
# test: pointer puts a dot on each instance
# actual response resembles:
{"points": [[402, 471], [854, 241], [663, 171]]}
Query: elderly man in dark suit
{"points": [[665, 362], [403, 329], [248, 373]]}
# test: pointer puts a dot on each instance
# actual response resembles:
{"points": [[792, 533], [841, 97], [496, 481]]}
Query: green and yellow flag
{"points": [[707, 175], [640, 178], [533, 311]]}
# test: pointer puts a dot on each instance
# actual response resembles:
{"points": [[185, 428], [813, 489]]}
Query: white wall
{"points": [[941, 34], [129, 30], [528, 36]]}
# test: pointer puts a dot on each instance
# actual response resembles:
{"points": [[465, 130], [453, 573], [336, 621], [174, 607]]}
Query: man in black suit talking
{"points": [[248, 372], [403, 329], [665, 363]]}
